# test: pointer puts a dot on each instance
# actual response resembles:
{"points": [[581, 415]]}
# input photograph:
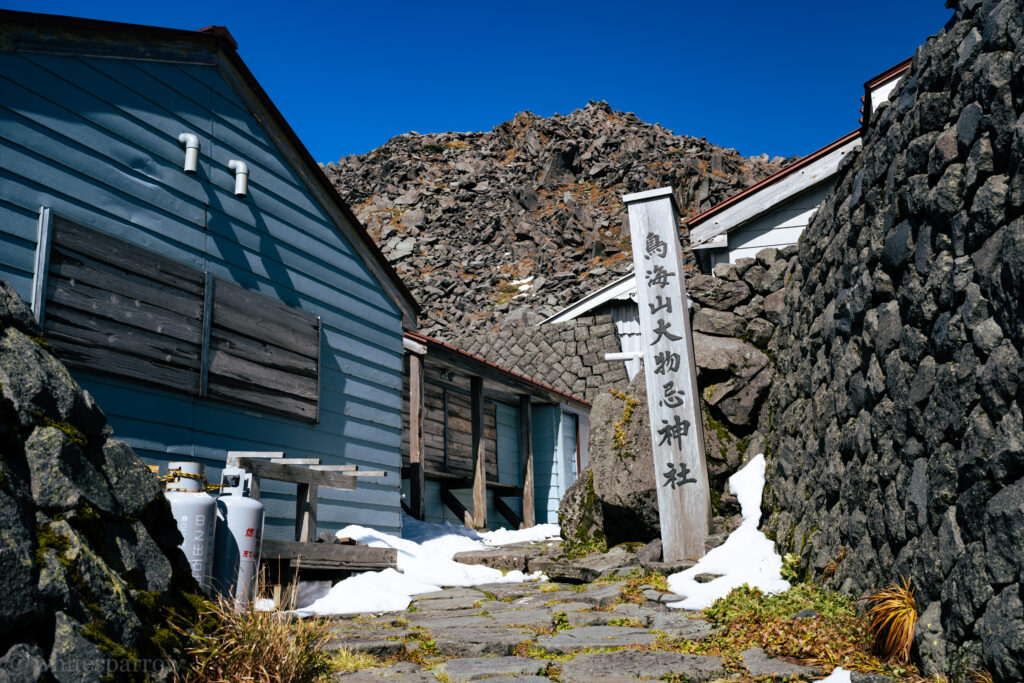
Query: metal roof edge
{"points": [[592, 300], [772, 179]]}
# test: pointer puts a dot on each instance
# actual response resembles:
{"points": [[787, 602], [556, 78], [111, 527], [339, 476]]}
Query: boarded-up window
{"points": [[117, 309], [263, 353]]}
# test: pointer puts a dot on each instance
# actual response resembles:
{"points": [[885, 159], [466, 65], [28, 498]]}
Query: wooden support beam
{"points": [[233, 456], [305, 512], [348, 556], [526, 451], [476, 404], [502, 508], [417, 483], [457, 508], [297, 475]]}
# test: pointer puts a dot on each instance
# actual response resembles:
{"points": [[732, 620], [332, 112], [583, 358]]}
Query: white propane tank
{"points": [[239, 532], [194, 511]]}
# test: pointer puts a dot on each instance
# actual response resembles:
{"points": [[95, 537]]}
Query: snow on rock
{"points": [[746, 557], [425, 564], [541, 532], [838, 675]]}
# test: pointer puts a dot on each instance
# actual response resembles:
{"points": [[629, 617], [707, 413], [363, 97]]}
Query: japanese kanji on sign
{"points": [[684, 503]]}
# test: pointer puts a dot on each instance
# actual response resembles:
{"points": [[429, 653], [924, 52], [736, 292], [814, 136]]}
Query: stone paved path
{"points": [[540, 632]]}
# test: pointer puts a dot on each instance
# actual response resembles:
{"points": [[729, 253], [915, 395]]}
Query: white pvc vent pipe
{"points": [[191, 142], [241, 176]]}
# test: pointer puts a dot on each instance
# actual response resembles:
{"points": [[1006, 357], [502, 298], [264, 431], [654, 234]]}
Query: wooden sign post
{"points": [[684, 502]]}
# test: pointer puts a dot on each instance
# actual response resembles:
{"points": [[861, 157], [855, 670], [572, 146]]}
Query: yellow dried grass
{"points": [[893, 616]]}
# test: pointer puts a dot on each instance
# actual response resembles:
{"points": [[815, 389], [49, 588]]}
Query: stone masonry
{"points": [[897, 448], [567, 356]]}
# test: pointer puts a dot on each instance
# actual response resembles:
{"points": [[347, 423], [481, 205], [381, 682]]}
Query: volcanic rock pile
{"points": [[467, 218], [898, 442], [89, 559]]}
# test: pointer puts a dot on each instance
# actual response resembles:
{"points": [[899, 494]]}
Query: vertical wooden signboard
{"points": [[684, 502]]}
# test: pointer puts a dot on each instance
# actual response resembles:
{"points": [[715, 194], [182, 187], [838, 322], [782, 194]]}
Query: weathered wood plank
{"points": [[526, 453], [684, 503], [225, 365], [117, 364], [305, 512], [126, 256], [70, 265], [261, 399], [76, 327], [328, 552], [204, 363], [255, 315], [41, 269], [479, 455], [297, 475], [233, 456], [417, 483], [104, 305], [274, 357], [455, 505]]}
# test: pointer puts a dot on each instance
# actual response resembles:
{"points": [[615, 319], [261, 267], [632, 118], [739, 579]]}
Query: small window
{"points": [[116, 309]]}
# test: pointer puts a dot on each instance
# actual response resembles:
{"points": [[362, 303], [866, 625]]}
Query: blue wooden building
{"points": [[238, 305], [486, 446]]}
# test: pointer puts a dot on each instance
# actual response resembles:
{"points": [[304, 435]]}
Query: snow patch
{"points": [[746, 557], [425, 564], [838, 675]]}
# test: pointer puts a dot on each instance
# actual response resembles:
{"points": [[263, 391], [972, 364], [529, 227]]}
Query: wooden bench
{"points": [[304, 556]]}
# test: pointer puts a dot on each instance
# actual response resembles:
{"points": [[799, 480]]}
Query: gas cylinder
{"points": [[238, 535], [194, 511]]}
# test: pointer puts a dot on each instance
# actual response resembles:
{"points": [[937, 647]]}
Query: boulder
{"points": [[617, 495], [89, 564]]}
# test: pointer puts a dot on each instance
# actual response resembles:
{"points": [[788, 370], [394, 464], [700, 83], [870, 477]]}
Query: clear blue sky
{"points": [[775, 78]]}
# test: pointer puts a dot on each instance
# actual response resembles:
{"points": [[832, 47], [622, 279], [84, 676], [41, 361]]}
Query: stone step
{"points": [[475, 668], [574, 640], [631, 664]]}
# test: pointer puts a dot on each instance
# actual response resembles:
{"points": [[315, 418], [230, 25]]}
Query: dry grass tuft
{"points": [[979, 676], [893, 615], [345, 660], [250, 645]]}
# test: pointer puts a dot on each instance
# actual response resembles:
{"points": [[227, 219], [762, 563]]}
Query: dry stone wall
{"points": [[897, 446], [567, 356]]}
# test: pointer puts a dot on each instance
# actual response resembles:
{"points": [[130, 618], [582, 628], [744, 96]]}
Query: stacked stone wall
{"points": [[896, 440], [568, 356]]}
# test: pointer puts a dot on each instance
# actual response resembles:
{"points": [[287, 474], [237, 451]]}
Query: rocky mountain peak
{"points": [[528, 215]]}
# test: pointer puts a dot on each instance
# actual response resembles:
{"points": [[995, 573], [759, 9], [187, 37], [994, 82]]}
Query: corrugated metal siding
{"points": [[96, 141]]}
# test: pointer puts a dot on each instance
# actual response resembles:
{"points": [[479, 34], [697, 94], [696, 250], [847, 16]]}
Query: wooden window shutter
{"points": [[116, 309], [263, 354], [121, 310]]}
